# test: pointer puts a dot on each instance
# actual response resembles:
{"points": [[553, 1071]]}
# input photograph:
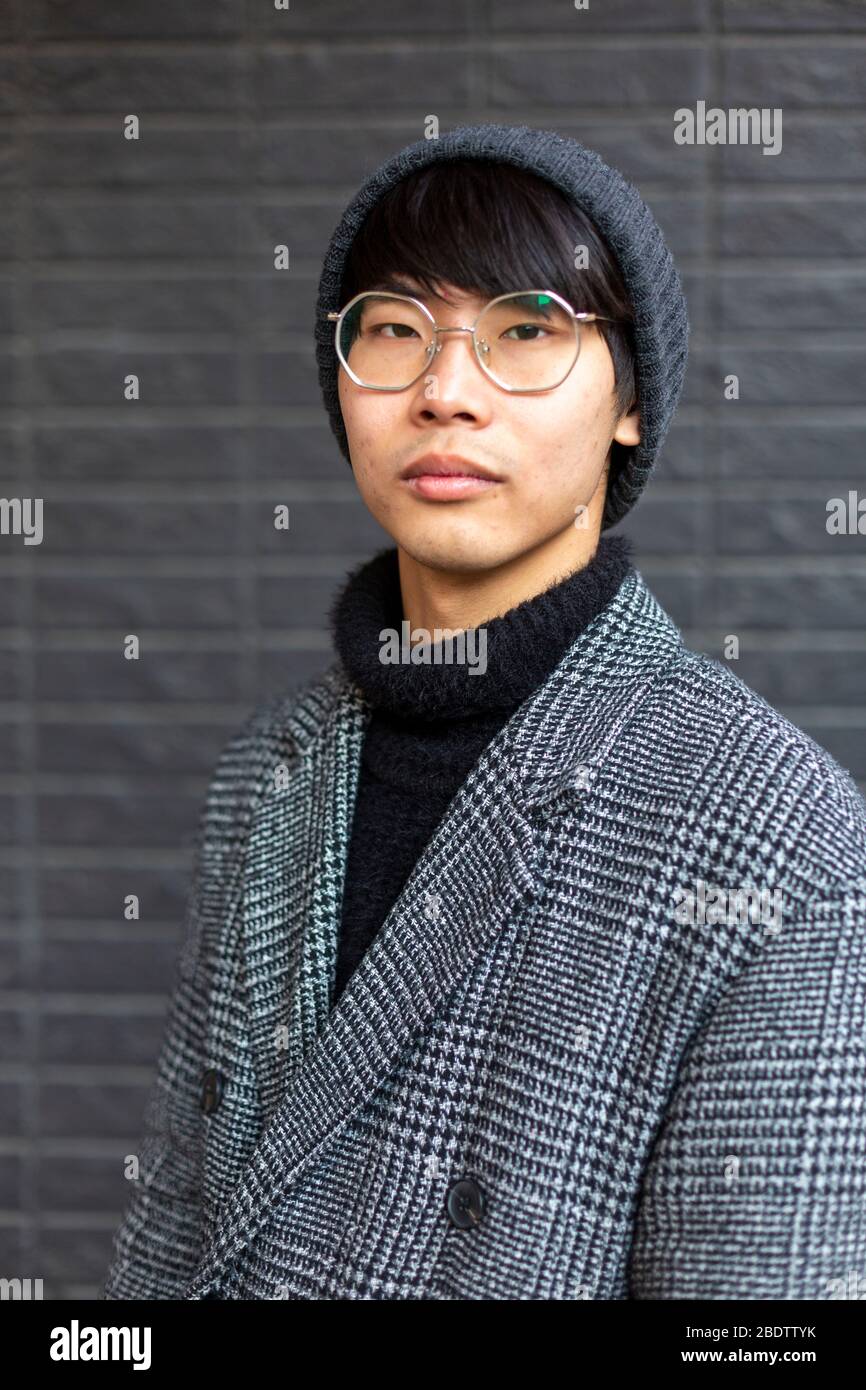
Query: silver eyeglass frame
{"points": [[435, 345]]}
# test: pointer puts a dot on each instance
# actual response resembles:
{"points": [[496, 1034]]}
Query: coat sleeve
{"points": [[159, 1240], [756, 1185]]}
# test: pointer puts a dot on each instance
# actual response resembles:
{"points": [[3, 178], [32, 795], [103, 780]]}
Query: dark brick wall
{"points": [[155, 257]]}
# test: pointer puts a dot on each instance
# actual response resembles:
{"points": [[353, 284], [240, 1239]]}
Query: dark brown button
{"points": [[465, 1203], [212, 1085]]}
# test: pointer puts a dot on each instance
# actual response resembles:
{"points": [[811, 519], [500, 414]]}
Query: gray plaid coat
{"points": [[609, 1043]]}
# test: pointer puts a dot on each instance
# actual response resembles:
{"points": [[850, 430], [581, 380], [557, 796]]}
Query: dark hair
{"points": [[489, 227]]}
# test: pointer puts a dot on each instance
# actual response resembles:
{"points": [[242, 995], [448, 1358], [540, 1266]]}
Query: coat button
{"points": [[465, 1203], [211, 1090]]}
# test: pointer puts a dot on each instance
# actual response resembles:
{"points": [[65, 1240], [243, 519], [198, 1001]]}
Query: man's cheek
{"points": [[536, 497], [371, 433], [360, 443]]}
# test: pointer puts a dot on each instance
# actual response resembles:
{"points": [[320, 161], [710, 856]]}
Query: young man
{"points": [[536, 971]]}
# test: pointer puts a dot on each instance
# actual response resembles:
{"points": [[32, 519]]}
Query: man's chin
{"points": [[466, 550]]}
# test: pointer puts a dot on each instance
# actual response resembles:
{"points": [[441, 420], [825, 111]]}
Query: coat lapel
{"points": [[318, 1066], [292, 886]]}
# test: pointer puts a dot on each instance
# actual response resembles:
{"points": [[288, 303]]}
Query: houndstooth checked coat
{"points": [[540, 1083]]}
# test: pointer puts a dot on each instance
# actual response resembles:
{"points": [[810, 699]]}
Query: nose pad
{"points": [[483, 346]]}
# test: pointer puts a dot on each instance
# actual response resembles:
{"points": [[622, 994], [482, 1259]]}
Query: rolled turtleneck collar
{"points": [[522, 646]]}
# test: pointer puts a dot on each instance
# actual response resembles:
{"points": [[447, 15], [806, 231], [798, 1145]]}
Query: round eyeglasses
{"points": [[525, 341]]}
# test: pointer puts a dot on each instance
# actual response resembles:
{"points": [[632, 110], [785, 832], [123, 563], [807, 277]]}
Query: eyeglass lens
{"points": [[526, 341]]}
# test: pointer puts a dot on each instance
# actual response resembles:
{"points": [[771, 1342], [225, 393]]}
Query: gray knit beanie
{"points": [[623, 219]]}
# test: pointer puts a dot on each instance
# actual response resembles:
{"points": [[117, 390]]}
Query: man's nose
{"points": [[454, 381]]}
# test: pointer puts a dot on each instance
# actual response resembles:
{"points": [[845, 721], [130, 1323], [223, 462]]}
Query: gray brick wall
{"points": [[155, 257]]}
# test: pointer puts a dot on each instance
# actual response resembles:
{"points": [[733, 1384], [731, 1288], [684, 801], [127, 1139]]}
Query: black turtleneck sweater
{"points": [[430, 723]]}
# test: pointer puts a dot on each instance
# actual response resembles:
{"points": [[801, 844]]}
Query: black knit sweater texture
{"points": [[430, 723]]}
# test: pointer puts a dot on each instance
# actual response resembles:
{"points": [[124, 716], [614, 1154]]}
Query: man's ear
{"points": [[628, 429]]}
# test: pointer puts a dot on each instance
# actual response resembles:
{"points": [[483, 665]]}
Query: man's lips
{"points": [[448, 476], [448, 487]]}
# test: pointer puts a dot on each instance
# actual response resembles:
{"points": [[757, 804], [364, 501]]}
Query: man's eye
{"points": [[518, 331], [401, 330]]}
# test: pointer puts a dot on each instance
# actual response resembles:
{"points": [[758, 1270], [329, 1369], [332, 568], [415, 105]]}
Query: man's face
{"points": [[547, 451]]}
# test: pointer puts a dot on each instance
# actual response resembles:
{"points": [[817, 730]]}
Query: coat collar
{"points": [[317, 1066]]}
